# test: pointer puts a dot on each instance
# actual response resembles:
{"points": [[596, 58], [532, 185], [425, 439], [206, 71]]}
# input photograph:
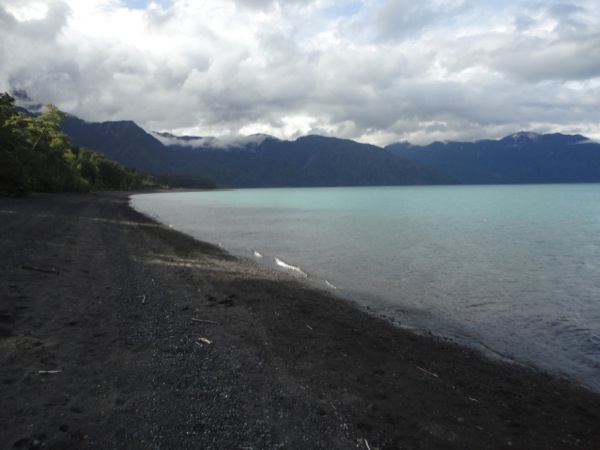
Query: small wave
{"points": [[290, 267], [330, 285], [257, 254]]}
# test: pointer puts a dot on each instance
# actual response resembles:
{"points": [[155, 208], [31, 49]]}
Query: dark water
{"points": [[512, 269]]}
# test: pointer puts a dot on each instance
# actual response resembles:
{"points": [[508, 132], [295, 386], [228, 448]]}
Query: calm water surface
{"points": [[511, 269]]}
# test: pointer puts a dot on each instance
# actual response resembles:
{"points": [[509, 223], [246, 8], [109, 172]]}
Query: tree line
{"points": [[36, 156]]}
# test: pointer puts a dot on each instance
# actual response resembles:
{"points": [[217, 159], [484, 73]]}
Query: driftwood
{"points": [[329, 404], [427, 372], [40, 269], [202, 340], [212, 322]]}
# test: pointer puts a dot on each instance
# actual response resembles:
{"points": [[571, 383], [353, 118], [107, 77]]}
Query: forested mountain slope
{"points": [[268, 162], [518, 158]]}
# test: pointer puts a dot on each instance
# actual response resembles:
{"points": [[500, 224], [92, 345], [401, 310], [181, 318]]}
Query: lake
{"points": [[511, 270]]}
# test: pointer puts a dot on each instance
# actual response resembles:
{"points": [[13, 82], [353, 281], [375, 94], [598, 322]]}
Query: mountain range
{"points": [[264, 161], [521, 158], [256, 161]]}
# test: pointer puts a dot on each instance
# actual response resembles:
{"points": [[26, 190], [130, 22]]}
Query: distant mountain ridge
{"points": [[264, 161], [259, 161], [520, 158]]}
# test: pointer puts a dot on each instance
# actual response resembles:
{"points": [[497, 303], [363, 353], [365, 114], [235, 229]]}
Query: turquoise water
{"points": [[514, 270]]}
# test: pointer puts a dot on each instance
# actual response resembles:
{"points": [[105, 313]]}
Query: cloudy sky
{"points": [[377, 71]]}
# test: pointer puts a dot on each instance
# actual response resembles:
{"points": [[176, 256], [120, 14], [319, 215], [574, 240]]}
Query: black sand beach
{"points": [[117, 332]]}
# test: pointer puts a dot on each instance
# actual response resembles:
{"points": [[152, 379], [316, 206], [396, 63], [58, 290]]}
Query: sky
{"points": [[375, 71]]}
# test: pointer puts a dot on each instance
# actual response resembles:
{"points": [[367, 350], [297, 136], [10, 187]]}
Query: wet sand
{"points": [[117, 332]]}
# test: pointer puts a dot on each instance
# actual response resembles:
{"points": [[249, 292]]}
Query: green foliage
{"points": [[35, 155], [12, 172]]}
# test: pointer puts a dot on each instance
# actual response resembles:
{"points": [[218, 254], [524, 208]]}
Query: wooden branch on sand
{"points": [[427, 372], [329, 404], [39, 269], [212, 322]]}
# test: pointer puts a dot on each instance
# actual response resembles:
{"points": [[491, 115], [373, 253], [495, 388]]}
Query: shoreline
{"points": [[120, 332], [552, 338]]}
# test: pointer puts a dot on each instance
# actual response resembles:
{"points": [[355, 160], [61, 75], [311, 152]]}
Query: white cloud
{"points": [[225, 143], [372, 70]]}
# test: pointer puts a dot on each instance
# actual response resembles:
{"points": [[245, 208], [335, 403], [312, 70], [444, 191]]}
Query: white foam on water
{"points": [[330, 285], [290, 267]]}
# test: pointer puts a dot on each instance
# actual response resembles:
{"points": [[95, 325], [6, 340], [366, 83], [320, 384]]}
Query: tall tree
{"points": [[13, 171], [35, 155], [43, 145]]}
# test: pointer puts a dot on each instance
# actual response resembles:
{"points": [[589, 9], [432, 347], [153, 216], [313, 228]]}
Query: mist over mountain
{"points": [[169, 139], [519, 158], [253, 161]]}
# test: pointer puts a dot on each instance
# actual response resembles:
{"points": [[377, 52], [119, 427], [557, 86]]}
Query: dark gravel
{"points": [[117, 332]]}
